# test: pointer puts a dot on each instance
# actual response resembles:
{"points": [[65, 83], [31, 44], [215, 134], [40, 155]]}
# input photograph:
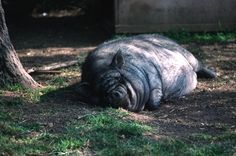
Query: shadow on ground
{"points": [[57, 32], [209, 112]]}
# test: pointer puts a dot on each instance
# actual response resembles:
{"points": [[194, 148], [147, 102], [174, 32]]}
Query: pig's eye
{"points": [[122, 80]]}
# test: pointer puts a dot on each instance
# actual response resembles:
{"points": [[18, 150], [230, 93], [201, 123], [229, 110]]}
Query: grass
{"points": [[206, 37], [107, 132], [58, 81], [112, 133], [202, 37], [21, 94]]}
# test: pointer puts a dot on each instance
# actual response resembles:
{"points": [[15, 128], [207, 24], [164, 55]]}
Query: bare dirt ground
{"points": [[210, 109]]}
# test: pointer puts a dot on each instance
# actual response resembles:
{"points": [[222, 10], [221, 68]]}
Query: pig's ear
{"points": [[118, 60]]}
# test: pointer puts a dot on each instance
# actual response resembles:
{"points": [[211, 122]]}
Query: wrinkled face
{"points": [[113, 90]]}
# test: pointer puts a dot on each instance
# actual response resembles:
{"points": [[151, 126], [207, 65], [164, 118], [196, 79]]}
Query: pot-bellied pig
{"points": [[138, 72]]}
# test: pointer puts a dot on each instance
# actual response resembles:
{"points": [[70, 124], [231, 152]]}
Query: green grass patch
{"points": [[207, 37], [34, 96], [14, 95], [205, 144], [15, 135], [14, 87], [58, 81], [13, 102], [108, 132], [187, 37], [111, 133]]}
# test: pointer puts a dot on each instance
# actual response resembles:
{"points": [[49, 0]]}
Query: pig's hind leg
{"points": [[154, 99]]}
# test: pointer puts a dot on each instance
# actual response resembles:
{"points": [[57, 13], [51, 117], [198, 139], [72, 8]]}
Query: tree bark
{"points": [[11, 69]]}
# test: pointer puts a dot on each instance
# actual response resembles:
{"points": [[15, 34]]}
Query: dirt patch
{"points": [[209, 109]]}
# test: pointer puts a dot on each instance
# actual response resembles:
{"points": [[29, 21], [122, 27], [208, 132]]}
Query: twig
{"points": [[53, 66]]}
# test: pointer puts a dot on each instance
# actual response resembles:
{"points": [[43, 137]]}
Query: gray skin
{"points": [[138, 72]]}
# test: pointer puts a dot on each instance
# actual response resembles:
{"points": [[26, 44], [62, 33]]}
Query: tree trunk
{"points": [[11, 69]]}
